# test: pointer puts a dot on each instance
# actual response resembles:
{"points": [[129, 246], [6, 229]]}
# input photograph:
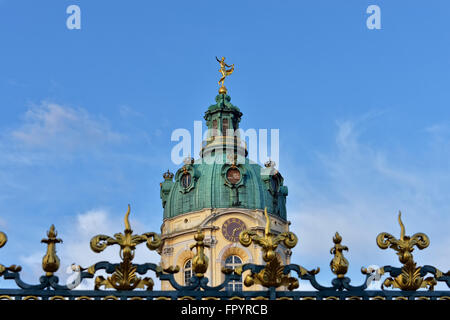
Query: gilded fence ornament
{"points": [[200, 261], [3, 239], [339, 265], [269, 242], [124, 276], [3, 269], [410, 278], [50, 262], [272, 275]]}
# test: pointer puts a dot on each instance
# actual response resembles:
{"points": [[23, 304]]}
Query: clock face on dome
{"points": [[232, 228]]}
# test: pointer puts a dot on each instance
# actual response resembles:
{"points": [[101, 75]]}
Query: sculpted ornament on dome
{"points": [[188, 160], [168, 175], [225, 73]]}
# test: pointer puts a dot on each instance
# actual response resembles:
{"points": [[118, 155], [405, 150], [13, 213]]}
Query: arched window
{"points": [[214, 127], [187, 271], [232, 262], [225, 127]]}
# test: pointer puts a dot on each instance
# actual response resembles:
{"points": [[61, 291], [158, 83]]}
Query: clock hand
{"points": [[236, 229]]}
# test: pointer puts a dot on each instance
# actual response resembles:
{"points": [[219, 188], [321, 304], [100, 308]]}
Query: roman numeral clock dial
{"points": [[232, 228]]}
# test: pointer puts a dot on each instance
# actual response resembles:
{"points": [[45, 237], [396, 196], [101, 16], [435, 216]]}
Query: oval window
{"points": [[186, 180], [233, 175]]}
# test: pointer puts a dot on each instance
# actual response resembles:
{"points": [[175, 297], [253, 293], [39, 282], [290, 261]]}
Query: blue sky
{"points": [[87, 115]]}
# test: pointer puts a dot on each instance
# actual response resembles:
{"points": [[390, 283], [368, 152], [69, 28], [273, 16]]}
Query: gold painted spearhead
{"points": [[339, 264], [200, 261], [50, 262]]}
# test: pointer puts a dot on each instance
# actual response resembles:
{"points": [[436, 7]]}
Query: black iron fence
{"points": [[129, 281]]}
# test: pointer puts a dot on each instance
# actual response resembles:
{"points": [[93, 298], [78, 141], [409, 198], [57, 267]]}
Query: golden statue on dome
{"points": [[225, 73]]}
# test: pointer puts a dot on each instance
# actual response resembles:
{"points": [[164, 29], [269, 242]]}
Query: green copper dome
{"points": [[223, 176]]}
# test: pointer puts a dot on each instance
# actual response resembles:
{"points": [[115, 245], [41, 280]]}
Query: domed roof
{"points": [[223, 177]]}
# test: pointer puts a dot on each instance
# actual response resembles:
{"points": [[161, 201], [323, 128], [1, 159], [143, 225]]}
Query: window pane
{"points": [[186, 180], [187, 272], [233, 262]]}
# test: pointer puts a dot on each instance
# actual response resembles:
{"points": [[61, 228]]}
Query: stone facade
{"points": [[178, 235]]}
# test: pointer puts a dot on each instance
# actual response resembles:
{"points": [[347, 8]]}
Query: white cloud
{"points": [[439, 128], [52, 133], [53, 126], [31, 266], [359, 195], [76, 247], [93, 221], [127, 111]]}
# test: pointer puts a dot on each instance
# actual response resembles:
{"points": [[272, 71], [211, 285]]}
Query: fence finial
{"points": [[50, 262], [124, 276], [3, 269], [200, 261], [272, 275], [339, 265], [410, 278]]}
